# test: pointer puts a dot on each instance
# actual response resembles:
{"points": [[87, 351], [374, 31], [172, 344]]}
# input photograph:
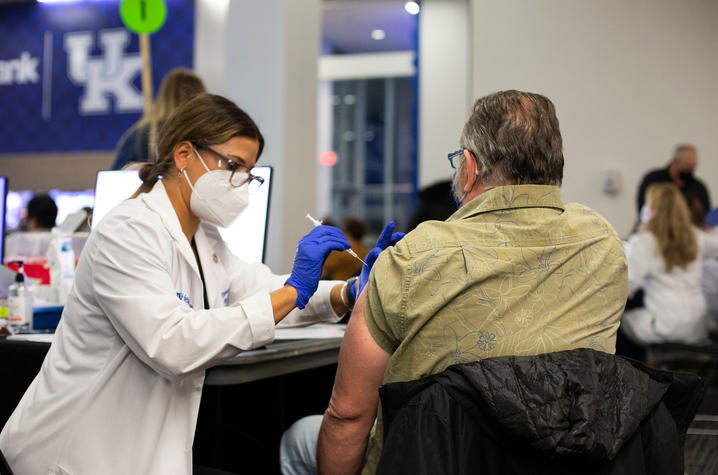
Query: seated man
{"points": [[514, 271]]}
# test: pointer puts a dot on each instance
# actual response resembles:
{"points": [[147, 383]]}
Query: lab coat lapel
{"points": [[216, 280], [158, 201]]}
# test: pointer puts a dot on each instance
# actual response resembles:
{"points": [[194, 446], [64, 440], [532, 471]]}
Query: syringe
{"points": [[316, 223]]}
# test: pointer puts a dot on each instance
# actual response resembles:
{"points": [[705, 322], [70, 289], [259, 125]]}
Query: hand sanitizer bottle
{"points": [[19, 302]]}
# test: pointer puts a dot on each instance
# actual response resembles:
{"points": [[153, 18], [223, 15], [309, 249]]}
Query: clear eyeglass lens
{"points": [[238, 178], [452, 157]]}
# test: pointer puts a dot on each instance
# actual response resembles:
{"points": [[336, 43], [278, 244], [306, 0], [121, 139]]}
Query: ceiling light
{"points": [[412, 7], [378, 34]]}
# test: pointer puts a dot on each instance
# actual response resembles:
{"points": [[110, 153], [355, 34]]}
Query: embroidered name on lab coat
{"points": [[186, 299]]}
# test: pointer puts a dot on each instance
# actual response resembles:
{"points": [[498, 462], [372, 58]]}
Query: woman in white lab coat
{"points": [[157, 299], [665, 259]]}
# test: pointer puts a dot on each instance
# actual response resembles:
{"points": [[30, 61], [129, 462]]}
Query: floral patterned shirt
{"points": [[512, 272]]}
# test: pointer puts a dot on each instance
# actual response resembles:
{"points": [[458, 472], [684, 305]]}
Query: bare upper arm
{"points": [[362, 363]]}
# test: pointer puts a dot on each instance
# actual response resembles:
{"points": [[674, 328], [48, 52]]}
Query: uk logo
{"points": [[104, 77]]}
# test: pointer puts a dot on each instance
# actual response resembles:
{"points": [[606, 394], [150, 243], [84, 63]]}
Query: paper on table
{"points": [[41, 337], [318, 330]]}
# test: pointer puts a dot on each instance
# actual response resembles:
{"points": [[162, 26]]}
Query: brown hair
{"points": [[671, 225], [516, 138], [207, 119], [354, 227], [177, 87], [698, 213]]}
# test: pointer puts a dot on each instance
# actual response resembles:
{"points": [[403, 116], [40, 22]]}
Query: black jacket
{"points": [[691, 186], [577, 411]]}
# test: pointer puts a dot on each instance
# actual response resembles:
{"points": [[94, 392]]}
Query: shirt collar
{"points": [[511, 197]]}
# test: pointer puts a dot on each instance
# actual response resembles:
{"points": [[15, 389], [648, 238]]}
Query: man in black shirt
{"points": [[680, 172]]}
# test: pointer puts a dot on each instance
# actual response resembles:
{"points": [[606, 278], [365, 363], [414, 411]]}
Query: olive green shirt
{"points": [[512, 272]]}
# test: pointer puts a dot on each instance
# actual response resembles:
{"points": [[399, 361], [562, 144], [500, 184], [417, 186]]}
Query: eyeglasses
{"points": [[236, 179], [453, 155]]}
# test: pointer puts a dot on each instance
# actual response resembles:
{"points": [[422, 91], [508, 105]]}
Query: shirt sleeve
{"points": [[386, 294], [133, 285], [251, 283]]}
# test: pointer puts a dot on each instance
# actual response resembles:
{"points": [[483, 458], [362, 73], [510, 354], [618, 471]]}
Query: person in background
{"points": [[41, 213], [709, 281], [436, 202], [712, 217], [342, 265], [514, 271], [137, 144], [665, 259], [679, 172], [38, 218], [710, 290], [158, 298]]}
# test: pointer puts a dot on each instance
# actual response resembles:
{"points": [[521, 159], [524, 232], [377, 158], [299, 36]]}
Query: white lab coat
{"points": [[119, 390], [674, 306]]}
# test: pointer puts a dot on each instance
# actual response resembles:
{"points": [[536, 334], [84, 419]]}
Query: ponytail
{"points": [[149, 174]]}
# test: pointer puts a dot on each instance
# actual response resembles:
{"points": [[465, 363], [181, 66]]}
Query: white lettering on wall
{"points": [[109, 75], [19, 71]]}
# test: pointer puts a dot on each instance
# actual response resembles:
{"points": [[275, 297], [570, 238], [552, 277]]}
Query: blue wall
{"points": [[70, 73]]}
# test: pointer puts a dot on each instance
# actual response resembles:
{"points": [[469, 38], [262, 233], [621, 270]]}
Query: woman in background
{"points": [[136, 145], [665, 259]]}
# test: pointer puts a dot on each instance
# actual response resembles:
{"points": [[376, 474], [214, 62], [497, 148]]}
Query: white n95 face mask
{"points": [[214, 199]]}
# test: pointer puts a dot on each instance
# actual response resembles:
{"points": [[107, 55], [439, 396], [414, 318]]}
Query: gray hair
{"points": [[516, 139]]}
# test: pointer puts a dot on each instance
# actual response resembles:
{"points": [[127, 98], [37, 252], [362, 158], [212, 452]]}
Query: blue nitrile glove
{"points": [[312, 250], [386, 238]]}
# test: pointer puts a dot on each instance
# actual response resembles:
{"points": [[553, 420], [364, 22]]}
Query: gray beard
{"points": [[455, 187]]}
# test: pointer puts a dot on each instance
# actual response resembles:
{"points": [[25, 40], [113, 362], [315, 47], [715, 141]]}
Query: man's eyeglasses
{"points": [[454, 155], [236, 179]]}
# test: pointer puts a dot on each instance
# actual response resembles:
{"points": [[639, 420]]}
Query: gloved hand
{"points": [[312, 250], [386, 238]]}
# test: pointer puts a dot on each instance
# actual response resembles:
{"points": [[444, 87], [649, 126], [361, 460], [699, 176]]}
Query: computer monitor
{"points": [[3, 196], [112, 187], [69, 202], [246, 237]]}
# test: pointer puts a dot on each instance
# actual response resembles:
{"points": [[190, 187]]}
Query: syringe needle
{"points": [[355, 255], [316, 223]]}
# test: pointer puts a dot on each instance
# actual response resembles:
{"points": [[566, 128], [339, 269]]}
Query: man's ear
{"points": [[472, 171], [183, 153]]}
